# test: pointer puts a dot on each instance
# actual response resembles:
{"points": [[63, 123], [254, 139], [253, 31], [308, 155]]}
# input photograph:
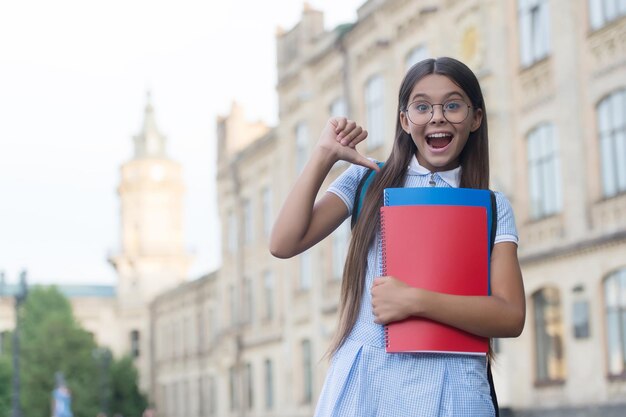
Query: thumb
{"points": [[367, 163]]}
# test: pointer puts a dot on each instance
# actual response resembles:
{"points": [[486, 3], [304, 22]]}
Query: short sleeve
{"points": [[505, 230], [346, 184]]}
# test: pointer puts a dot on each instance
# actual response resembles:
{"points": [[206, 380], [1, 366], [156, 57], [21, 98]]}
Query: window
{"points": [[134, 344], [212, 396], [302, 145], [544, 172], [233, 304], [186, 336], [550, 365], [232, 383], [534, 26], [307, 372], [266, 197], [338, 108], [249, 387], [375, 112], [417, 54], [612, 135], [202, 398], [185, 404], [602, 12], [580, 319], [305, 271], [248, 222], [212, 323], [615, 305], [248, 307], [341, 240], [201, 331], [232, 232], [268, 292], [269, 385]]}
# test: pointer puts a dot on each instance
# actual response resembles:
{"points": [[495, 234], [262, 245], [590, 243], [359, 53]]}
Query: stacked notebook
{"points": [[436, 239]]}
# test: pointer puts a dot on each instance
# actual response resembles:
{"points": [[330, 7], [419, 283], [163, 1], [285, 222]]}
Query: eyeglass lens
{"points": [[421, 112]]}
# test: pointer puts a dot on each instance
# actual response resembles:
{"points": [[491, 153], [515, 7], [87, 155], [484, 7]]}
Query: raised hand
{"points": [[340, 137]]}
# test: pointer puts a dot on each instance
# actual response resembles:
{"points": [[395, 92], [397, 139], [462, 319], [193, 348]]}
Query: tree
{"points": [[5, 384], [126, 398], [51, 341]]}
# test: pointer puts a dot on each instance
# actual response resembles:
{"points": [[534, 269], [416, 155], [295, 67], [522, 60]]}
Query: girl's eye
{"points": [[422, 107], [453, 105]]}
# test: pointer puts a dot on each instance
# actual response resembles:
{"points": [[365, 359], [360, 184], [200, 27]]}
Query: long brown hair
{"points": [[474, 160]]}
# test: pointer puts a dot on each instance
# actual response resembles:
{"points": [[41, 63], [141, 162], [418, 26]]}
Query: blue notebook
{"points": [[445, 197]]}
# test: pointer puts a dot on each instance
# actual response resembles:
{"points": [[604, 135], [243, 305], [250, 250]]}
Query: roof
{"points": [[70, 291]]}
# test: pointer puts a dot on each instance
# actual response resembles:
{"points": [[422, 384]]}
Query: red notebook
{"points": [[439, 248]]}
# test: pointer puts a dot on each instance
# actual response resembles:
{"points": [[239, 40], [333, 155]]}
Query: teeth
{"points": [[440, 135]]}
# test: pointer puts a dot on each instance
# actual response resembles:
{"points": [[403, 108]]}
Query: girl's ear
{"points": [[477, 120], [404, 121]]}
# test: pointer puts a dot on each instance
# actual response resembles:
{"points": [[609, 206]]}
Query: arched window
{"points": [[602, 12], [549, 355], [340, 241], [534, 27], [417, 54], [544, 171], [615, 316], [302, 145], [134, 343], [611, 114], [375, 110]]}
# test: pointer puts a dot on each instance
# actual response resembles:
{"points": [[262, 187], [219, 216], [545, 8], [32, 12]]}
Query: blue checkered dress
{"points": [[365, 381]]}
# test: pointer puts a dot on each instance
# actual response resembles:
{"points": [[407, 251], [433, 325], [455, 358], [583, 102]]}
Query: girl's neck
{"points": [[448, 167]]}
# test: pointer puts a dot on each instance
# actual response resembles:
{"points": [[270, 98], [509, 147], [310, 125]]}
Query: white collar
{"points": [[452, 177]]}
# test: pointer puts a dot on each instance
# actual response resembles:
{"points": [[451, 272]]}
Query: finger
{"points": [[378, 281], [351, 136], [349, 127], [341, 124], [358, 139]]}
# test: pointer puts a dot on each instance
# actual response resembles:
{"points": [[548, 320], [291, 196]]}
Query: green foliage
{"points": [[5, 384], [52, 341], [126, 400]]}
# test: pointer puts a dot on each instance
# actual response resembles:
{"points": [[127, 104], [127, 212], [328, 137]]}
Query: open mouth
{"points": [[438, 140]]}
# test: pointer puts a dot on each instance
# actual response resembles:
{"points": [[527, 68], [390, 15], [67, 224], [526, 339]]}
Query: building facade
{"points": [[553, 74]]}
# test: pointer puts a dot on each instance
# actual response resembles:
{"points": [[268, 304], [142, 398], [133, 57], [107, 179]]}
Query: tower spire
{"points": [[149, 142]]}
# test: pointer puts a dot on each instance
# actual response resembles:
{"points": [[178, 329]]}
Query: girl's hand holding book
{"points": [[340, 138], [392, 300]]}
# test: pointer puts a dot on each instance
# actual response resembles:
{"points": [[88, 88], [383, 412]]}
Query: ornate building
{"points": [[552, 73]]}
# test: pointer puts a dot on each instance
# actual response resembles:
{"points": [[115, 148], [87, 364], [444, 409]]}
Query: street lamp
{"points": [[20, 296], [103, 359]]}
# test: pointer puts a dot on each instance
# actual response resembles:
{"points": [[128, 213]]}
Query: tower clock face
{"points": [[157, 173]]}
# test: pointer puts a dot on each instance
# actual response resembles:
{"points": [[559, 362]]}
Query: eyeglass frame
{"points": [[432, 111]]}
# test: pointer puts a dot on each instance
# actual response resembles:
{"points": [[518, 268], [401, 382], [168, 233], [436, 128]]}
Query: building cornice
{"points": [[575, 248]]}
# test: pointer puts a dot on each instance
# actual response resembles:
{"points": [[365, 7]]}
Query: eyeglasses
{"points": [[421, 112]]}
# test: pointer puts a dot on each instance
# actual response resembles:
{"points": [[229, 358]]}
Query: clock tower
{"points": [[152, 258]]}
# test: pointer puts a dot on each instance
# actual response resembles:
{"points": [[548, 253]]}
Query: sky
{"points": [[74, 76]]}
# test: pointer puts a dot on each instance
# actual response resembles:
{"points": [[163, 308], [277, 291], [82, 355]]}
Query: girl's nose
{"points": [[438, 116]]}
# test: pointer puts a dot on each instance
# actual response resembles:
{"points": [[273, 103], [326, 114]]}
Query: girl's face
{"points": [[439, 142]]}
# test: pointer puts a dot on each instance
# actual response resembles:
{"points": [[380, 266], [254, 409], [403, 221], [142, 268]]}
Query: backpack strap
{"points": [[492, 241], [361, 191]]}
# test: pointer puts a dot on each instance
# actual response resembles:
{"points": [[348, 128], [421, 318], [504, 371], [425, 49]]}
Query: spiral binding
{"points": [[384, 258]]}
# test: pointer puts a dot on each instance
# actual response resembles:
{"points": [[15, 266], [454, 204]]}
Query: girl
{"points": [[441, 140]]}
